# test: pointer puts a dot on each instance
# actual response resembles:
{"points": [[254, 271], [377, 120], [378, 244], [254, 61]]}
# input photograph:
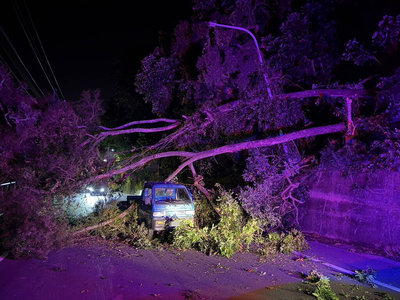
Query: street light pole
{"points": [[213, 24]]}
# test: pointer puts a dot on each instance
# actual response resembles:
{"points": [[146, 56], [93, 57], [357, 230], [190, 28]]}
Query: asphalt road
{"points": [[97, 269]]}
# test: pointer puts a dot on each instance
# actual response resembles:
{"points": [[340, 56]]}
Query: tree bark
{"points": [[140, 123], [259, 143], [137, 130], [224, 149], [142, 162], [200, 186], [333, 93], [90, 228]]}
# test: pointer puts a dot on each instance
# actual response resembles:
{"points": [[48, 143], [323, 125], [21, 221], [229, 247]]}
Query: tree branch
{"points": [[101, 136], [224, 149], [141, 130], [142, 162], [334, 93], [198, 183], [259, 143], [90, 228], [139, 123], [209, 153]]}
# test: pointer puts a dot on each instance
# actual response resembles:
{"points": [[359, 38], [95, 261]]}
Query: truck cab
{"points": [[164, 205]]}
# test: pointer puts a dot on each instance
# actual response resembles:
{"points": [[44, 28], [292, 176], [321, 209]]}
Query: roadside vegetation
{"points": [[224, 234]]}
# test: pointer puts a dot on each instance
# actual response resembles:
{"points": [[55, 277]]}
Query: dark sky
{"points": [[84, 39]]}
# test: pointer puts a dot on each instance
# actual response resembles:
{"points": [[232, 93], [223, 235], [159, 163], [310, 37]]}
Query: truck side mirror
{"points": [[147, 200]]}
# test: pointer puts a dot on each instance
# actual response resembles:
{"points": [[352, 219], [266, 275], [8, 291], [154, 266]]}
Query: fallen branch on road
{"points": [[90, 228]]}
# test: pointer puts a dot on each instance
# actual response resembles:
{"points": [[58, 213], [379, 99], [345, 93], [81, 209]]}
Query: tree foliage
{"points": [[42, 150]]}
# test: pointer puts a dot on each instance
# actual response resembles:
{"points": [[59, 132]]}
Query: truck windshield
{"points": [[171, 195]]}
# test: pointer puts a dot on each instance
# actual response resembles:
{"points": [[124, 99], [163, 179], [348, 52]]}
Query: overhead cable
{"points": [[13, 73], [41, 46], [20, 60], [21, 22], [20, 70]]}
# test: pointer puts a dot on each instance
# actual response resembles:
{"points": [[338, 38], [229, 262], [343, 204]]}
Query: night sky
{"points": [[85, 39]]}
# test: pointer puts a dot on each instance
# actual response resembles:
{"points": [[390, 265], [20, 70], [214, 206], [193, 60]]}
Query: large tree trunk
{"points": [[193, 156], [258, 144]]}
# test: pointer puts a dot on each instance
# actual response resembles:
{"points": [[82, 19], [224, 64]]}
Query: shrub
{"points": [[30, 226], [205, 215], [187, 236], [294, 241], [283, 243], [230, 235], [366, 276], [324, 291], [127, 230]]}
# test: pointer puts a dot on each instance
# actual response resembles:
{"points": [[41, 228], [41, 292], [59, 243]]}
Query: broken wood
{"points": [[258, 144], [198, 183], [140, 123], [102, 224]]}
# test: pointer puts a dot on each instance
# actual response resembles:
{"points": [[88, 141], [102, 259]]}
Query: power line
{"points": [[13, 73], [21, 72], [21, 22], [41, 46], [20, 60]]}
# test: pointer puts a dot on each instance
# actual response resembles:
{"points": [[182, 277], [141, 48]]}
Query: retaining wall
{"points": [[357, 208]]}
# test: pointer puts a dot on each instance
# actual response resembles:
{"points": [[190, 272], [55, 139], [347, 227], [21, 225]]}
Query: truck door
{"points": [[146, 206]]}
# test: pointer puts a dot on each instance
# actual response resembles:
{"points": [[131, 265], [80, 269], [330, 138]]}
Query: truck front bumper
{"points": [[160, 224]]}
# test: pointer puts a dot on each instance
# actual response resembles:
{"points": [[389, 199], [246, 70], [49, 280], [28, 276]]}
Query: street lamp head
{"points": [[212, 24]]}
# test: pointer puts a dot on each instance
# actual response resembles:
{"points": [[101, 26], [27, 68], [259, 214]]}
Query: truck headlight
{"points": [[102, 190], [159, 214]]}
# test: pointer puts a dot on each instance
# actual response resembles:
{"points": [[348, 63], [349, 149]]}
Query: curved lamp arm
{"points": [[213, 24]]}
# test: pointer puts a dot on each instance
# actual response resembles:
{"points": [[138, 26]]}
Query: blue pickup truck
{"points": [[164, 205]]}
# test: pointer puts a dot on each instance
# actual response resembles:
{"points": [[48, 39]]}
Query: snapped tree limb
{"points": [[137, 130], [259, 143], [118, 131], [140, 123], [90, 228], [142, 162], [193, 156], [333, 93], [199, 184]]}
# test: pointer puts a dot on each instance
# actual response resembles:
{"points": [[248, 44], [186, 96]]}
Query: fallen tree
{"points": [[193, 157]]}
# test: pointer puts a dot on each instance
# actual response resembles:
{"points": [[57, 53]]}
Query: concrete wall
{"points": [[358, 208]]}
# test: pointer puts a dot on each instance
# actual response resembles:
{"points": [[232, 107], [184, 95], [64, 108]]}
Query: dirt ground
{"points": [[98, 269]]}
